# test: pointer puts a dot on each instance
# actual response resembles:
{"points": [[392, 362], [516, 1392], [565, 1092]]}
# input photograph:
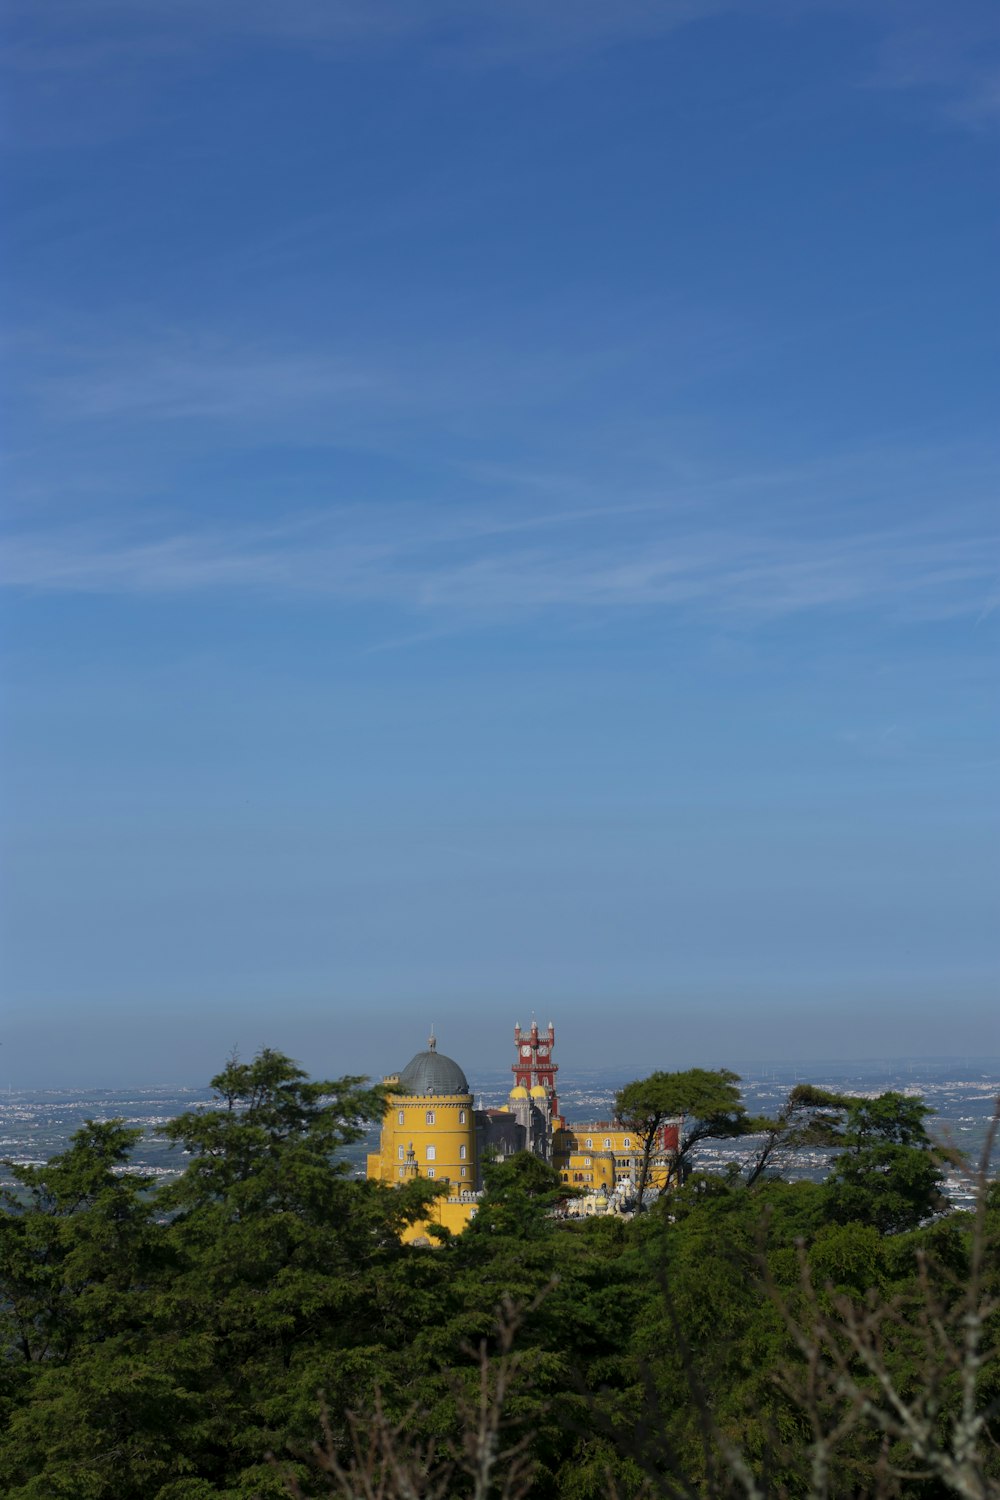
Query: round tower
{"points": [[429, 1126]]}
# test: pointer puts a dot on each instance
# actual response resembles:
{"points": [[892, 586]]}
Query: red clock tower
{"points": [[534, 1060]]}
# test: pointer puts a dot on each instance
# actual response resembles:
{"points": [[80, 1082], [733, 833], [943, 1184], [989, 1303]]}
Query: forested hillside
{"points": [[257, 1329]]}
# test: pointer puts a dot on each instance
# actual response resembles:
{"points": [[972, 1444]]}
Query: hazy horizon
{"points": [[482, 1051]]}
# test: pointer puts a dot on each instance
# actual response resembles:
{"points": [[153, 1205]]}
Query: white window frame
{"points": [[432, 1152]]}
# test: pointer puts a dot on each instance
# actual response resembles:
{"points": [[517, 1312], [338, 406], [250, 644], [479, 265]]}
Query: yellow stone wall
{"points": [[451, 1213], [590, 1170], [576, 1148], [441, 1129]]}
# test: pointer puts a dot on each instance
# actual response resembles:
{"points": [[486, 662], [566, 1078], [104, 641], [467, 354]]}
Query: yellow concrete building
{"points": [[429, 1130]]}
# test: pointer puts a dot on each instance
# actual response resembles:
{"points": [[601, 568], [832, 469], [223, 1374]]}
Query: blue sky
{"points": [[501, 514]]}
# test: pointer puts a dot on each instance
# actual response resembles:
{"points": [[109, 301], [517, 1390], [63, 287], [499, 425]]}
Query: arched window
{"points": [[401, 1153], [464, 1169], [607, 1143], [401, 1170], [402, 1118], [588, 1143], [432, 1153], [627, 1144], [462, 1153], [461, 1117], [429, 1117], [430, 1171]]}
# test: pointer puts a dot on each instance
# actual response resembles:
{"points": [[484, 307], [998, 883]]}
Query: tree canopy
{"points": [[705, 1102], [160, 1344]]}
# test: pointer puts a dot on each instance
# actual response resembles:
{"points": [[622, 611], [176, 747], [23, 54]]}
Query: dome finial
{"points": [[432, 1040]]}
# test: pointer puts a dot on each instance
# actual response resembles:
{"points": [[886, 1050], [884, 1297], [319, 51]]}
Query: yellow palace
{"points": [[432, 1129]]}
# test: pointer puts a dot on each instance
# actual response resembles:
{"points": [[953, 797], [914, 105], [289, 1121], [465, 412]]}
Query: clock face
{"points": [[525, 1051]]}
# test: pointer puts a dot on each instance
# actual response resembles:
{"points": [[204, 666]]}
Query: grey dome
{"points": [[431, 1072]]}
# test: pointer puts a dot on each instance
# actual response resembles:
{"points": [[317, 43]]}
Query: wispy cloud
{"points": [[952, 56], [101, 61], [211, 383], [74, 31], [319, 387], [912, 45], [431, 563], [103, 57]]}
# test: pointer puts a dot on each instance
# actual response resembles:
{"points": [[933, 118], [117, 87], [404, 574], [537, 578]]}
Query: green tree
{"points": [[889, 1173], [289, 1281], [81, 1251], [519, 1194], [706, 1102], [810, 1116], [274, 1137], [569, 1278], [74, 1237], [167, 1344]]}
